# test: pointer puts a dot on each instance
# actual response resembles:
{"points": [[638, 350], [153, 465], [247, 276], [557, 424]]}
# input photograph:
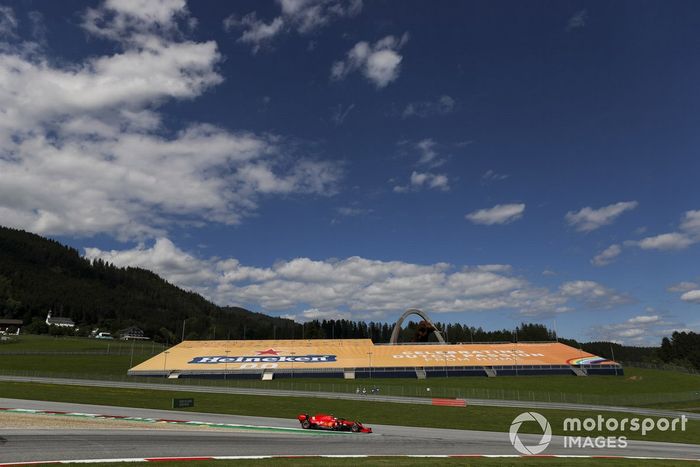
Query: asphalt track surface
{"points": [[347, 396], [18, 445]]}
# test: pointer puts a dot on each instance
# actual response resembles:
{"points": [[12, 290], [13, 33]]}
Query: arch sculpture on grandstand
{"points": [[414, 311]]}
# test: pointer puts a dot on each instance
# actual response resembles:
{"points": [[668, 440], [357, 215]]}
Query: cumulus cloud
{"points": [[588, 219], [420, 180], [593, 294], [302, 16], [667, 241], [380, 62], [356, 286], [607, 256], [83, 151], [499, 214], [443, 105], [688, 234], [641, 330], [691, 296], [428, 158]]}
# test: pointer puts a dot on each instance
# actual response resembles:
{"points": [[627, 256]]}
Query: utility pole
{"points": [[612, 352], [183, 329]]}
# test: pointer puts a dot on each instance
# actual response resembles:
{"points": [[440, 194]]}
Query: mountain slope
{"points": [[38, 274]]}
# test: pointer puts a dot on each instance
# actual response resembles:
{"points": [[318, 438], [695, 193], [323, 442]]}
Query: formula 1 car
{"points": [[329, 422]]}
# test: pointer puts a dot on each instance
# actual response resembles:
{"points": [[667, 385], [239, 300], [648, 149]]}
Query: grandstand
{"points": [[361, 358]]}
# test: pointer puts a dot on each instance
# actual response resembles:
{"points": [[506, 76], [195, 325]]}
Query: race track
{"points": [[44, 445]]}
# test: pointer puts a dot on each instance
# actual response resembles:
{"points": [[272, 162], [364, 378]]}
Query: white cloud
{"points": [[82, 150], [691, 223], [692, 296], [428, 154], [8, 21], [593, 294], [255, 32], [683, 287], [379, 62], [443, 105], [136, 22], [642, 330], [689, 235], [302, 16], [491, 176], [428, 158], [667, 241], [607, 256], [588, 219], [420, 180], [499, 214], [645, 319], [577, 20], [349, 211], [340, 113], [360, 287]]}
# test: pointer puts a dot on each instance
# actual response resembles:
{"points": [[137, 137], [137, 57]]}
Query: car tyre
{"points": [[355, 428], [306, 424]]}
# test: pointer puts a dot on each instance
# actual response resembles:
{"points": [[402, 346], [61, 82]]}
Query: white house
{"points": [[60, 322]]}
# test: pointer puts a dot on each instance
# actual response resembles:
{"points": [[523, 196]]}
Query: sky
{"points": [[490, 162]]}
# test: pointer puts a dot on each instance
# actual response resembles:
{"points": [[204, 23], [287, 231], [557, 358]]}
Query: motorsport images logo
{"points": [[614, 429], [530, 417]]}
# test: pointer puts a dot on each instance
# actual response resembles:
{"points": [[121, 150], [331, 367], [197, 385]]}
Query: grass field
{"points": [[111, 359], [411, 462], [470, 418], [43, 343]]}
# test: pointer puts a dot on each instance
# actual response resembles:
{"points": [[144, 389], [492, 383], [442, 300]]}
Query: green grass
{"points": [[43, 343], [470, 418], [642, 387], [410, 462]]}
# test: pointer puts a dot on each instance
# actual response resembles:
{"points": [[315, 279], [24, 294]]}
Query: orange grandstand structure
{"points": [[358, 358]]}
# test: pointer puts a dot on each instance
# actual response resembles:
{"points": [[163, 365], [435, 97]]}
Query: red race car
{"points": [[329, 422]]}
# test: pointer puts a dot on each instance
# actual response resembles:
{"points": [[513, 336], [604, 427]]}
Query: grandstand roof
{"points": [[233, 356]]}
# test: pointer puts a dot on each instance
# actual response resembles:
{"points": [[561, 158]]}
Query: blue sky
{"points": [[489, 162]]}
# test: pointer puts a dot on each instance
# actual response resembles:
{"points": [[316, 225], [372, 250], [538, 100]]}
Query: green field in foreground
{"points": [[643, 387], [470, 418], [410, 462]]}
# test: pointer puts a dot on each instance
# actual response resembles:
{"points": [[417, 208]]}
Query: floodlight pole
{"points": [[612, 352]]}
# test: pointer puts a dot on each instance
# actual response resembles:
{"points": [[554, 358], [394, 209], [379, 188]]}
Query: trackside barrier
{"points": [[450, 402]]}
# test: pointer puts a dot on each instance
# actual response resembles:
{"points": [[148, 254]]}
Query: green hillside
{"points": [[38, 274]]}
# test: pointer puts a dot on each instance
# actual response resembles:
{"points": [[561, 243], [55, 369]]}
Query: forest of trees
{"points": [[38, 274], [683, 349]]}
